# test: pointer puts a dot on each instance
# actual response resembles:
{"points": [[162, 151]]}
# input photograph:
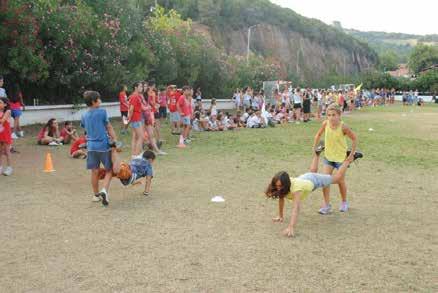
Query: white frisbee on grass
{"points": [[217, 198]]}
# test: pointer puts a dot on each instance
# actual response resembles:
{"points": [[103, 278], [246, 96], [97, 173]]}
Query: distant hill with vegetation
{"points": [[400, 44]]}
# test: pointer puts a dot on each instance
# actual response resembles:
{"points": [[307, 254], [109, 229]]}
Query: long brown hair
{"points": [[271, 190]]}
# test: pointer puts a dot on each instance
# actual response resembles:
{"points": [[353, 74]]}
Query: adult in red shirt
{"points": [[172, 98], [124, 107], [135, 118]]}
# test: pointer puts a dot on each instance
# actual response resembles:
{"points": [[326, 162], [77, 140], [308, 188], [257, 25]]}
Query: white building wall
{"points": [[41, 114]]}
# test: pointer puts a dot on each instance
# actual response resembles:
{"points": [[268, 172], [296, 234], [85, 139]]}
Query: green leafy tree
{"points": [[423, 57], [21, 50], [428, 81], [388, 61]]}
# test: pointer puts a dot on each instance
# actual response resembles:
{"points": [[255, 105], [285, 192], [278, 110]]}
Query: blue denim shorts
{"points": [[16, 113], [94, 159], [174, 117], [136, 124], [186, 120], [335, 165], [318, 180]]}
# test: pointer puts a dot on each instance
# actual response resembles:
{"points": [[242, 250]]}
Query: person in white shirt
{"points": [[297, 104], [256, 102], [285, 98], [213, 124], [196, 123], [247, 99], [255, 121], [2, 90], [237, 99], [245, 116]]}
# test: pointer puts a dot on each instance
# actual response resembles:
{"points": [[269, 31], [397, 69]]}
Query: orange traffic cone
{"points": [[181, 144], [48, 165]]}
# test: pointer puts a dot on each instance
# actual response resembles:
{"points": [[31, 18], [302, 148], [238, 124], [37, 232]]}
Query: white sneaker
{"points": [[161, 153], [8, 171], [14, 136], [344, 206], [53, 143], [325, 210], [21, 133], [104, 195], [96, 198]]}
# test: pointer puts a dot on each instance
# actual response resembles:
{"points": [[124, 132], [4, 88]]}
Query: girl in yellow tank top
{"points": [[335, 142], [335, 133]]}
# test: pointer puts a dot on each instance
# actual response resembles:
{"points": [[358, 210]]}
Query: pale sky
{"points": [[413, 17]]}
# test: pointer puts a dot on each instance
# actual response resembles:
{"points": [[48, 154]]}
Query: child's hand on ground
{"points": [[289, 232], [350, 158], [277, 220]]}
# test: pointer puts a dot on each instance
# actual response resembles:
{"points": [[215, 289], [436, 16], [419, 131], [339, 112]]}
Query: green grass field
{"points": [[54, 239]]}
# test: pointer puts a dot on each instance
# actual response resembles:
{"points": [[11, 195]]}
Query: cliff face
{"points": [[304, 57]]}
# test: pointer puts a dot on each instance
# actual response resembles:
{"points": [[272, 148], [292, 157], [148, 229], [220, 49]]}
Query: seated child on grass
{"points": [[68, 133], [196, 123], [229, 122], [256, 121], [213, 124], [78, 148], [204, 120]]}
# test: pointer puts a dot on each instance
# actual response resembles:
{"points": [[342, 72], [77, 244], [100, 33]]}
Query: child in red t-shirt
{"points": [[5, 137], [16, 106], [153, 102], [124, 108], [173, 96], [150, 119], [185, 109], [68, 133], [135, 118], [78, 148]]}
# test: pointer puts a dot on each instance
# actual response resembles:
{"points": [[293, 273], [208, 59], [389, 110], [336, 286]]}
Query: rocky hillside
{"points": [[310, 48], [306, 57]]}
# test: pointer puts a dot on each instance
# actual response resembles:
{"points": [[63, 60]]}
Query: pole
{"points": [[249, 39], [247, 49]]}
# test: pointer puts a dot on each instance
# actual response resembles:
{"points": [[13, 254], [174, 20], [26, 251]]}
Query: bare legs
{"points": [[137, 141], [5, 150], [152, 140], [338, 178]]}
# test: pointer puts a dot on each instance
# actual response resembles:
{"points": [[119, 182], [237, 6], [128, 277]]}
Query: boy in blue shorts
{"points": [[99, 132]]}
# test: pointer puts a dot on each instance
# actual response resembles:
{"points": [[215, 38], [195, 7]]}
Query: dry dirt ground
{"points": [[54, 239]]}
